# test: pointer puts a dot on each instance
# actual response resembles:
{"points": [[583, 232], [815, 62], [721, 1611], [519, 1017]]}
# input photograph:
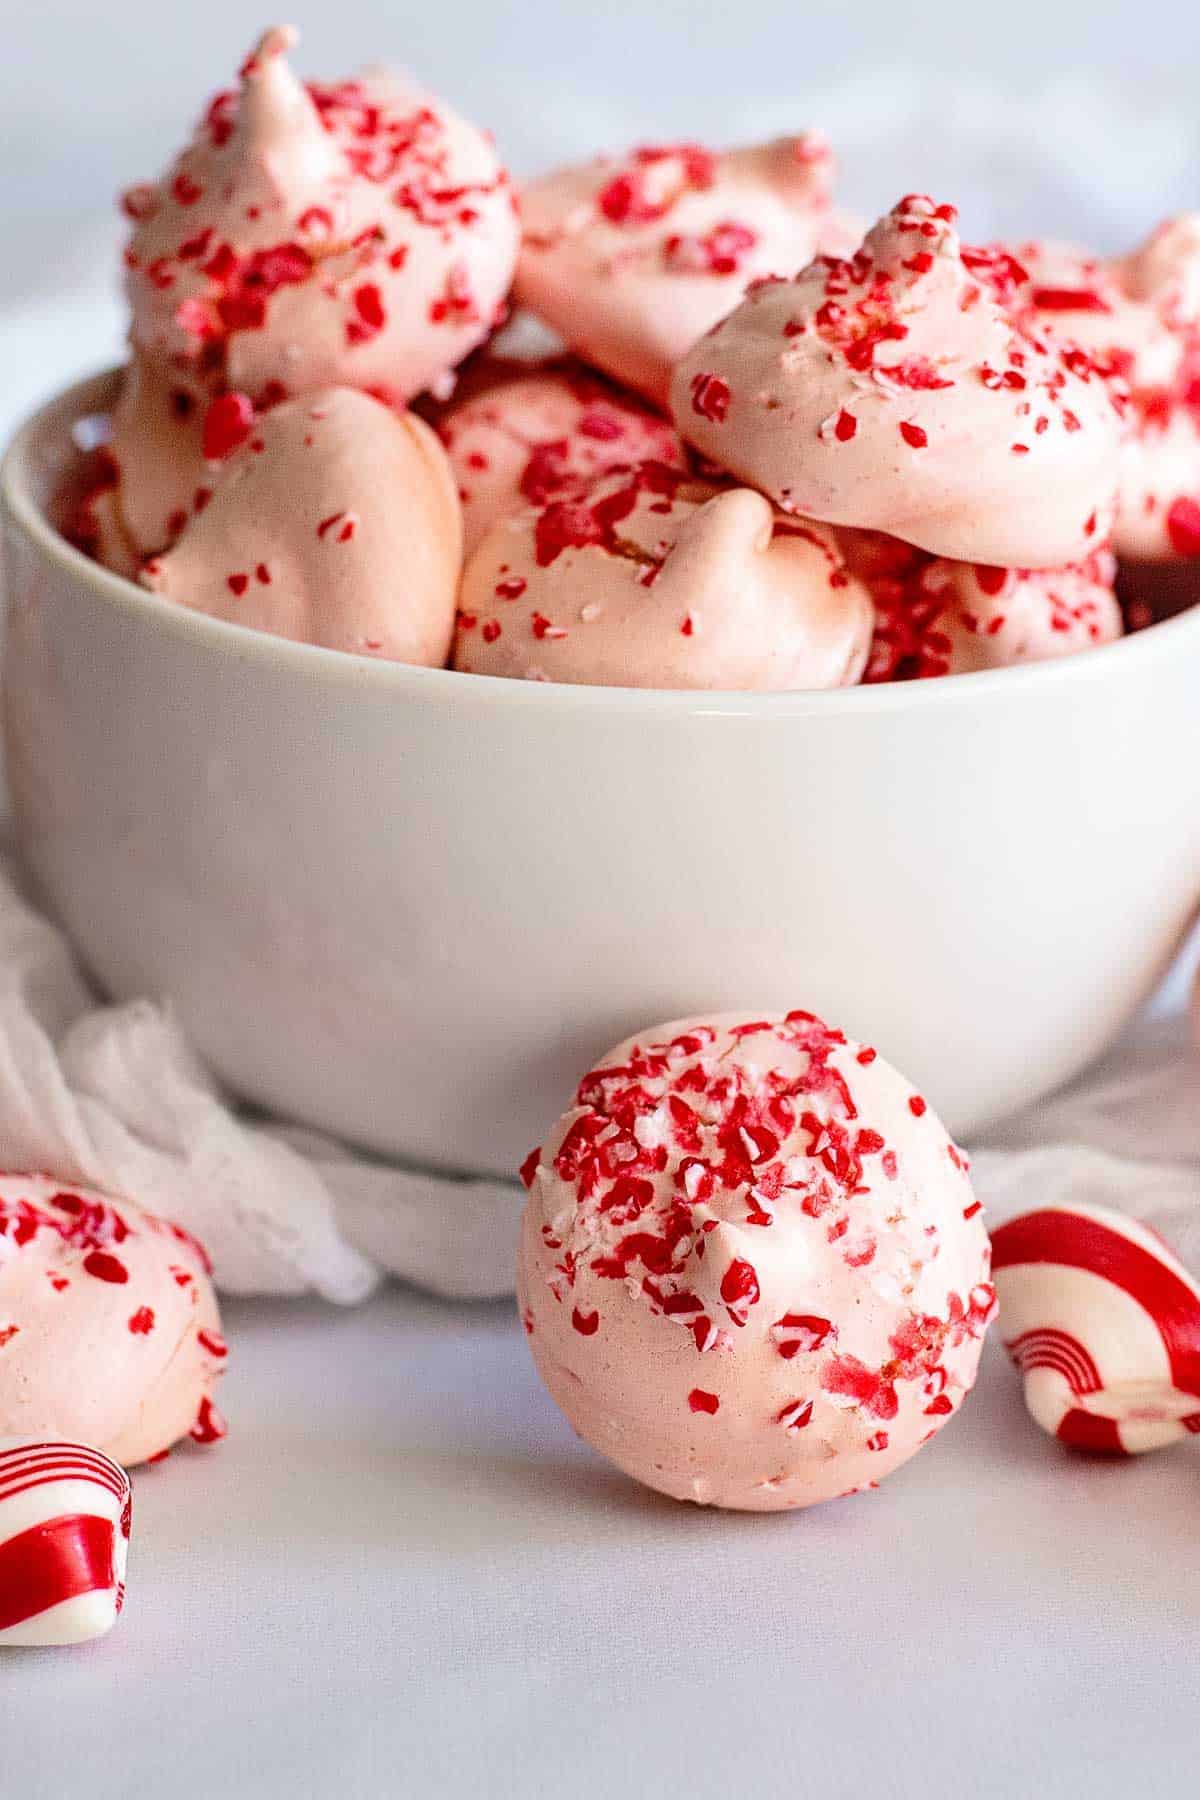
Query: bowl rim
{"points": [[452, 687]]}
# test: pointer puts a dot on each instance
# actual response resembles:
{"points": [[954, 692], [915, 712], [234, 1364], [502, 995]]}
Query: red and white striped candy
{"points": [[1104, 1323], [64, 1536]]}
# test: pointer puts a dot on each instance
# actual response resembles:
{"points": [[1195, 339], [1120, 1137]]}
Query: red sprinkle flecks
{"points": [[512, 589], [969, 1212], [795, 1415], [237, 584], [7, 1334], [141, 1323], [916, 1105], [702, 1402], [347, 523], [845, 426], [213, 1342], [913, 435], [227, 423], [586, 1324], [105, 1267], [739, 1289], [710, 397], [529, 1167], [1183, 526], [210, 1425], [370, 316]]}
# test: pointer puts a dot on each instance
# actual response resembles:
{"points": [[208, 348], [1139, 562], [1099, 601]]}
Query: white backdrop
{"points": [[1060, 115]]}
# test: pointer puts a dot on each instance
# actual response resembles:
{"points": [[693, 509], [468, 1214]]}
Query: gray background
{"points": [[1059, 115]]}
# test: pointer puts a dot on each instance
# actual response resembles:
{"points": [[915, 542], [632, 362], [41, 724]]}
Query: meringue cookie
{"points": [[656, 580], [1075, 297], [65, 1518], [1159, 516], [896, 391], [937, 617], [751, 1268], [352, 232], [1166, 271], [543, 435], [631, 259], [335, 523], [1104, 1324], [157, 446], [109, 1329]]}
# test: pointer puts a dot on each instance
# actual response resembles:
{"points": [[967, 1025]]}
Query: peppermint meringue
{"points": [[109, 1329], [898, 391], [752, 1270], [630, 259], [336, 523], [937, 617], [544, 434], [658, 580], [354, 232]]}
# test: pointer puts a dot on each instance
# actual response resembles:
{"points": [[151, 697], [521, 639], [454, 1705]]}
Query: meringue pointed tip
{"points": [[274, 43]]}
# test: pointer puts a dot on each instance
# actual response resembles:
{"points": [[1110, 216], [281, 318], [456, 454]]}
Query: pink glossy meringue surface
{"points": [[66, 1514], [632, 258], [896, 390], [752, 1270], [109, 1329], [335, 523], [542, 435], [938, 617], [1104, 1323], [351, 231], [654, 579]]}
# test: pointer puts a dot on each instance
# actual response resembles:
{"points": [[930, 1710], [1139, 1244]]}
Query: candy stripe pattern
{"points": [[1104, 1324], [65, 1513]]}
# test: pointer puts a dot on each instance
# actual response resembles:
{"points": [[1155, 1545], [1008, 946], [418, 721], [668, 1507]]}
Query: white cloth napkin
{"points": [[113, 1096]]}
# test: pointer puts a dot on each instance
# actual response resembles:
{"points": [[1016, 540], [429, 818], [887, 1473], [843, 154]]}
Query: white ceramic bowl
{"points": [[410, 906]]}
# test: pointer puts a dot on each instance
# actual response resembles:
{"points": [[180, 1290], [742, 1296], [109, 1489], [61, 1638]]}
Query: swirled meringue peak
{"points": [[656, 580], [353, 232], [938, 617], [336, 523], [632, 258], [544, 434], [898, 390]]}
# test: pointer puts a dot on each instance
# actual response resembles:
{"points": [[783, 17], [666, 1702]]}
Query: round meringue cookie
{"points": [[1078, 299], [897, 391], [544, 435], [936, 617], [335, 523], [109, 1329], [1104, 1324], [1158, 520], [158, 443], [752, 1270], [631, 259], [65, 1517], [657, 580], [353, 232], [1165, 270]]}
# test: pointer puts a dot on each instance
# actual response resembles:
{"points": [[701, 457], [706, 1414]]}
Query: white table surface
{"points": [[402, 1574]]}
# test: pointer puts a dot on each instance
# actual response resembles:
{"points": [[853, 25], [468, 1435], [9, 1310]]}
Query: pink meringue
{"points": [[937, 617], [657, 580], [1165, 270], [542, 435], [751, 1269], [1104, 1324], [109, 1329], [1076, 297], [354, 232], [335, 523], [631, 259], [896, 391]]}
